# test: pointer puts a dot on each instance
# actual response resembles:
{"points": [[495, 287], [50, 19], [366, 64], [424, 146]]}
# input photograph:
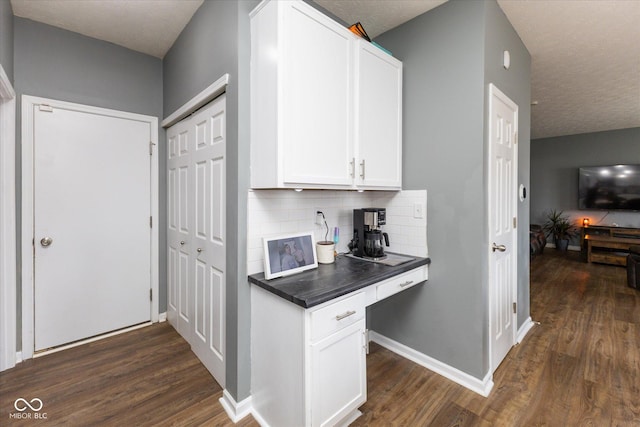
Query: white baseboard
{"points": [[482, 387], [18, 357], [256, 416], [235, 411], [162, 317], [524, 329]]}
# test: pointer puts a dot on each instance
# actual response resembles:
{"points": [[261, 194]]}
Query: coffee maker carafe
{"points": [[368, 239]]}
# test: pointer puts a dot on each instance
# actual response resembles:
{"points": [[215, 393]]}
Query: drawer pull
{"points": [[345, 315], [407, 283]]}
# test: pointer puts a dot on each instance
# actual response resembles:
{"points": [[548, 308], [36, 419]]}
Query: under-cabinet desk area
{"points": [[309, 339]]}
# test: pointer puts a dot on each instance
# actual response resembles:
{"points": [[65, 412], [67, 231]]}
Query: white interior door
{"points": [[92, 235], [503, 173], [197, 245]]}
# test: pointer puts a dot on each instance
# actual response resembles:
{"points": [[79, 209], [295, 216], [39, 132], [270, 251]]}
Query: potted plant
{"points": [[559, 226]]}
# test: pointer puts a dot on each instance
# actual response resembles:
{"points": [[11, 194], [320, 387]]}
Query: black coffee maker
{"points": [[368, 239]]}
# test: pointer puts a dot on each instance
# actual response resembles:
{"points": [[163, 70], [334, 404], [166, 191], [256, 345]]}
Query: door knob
{"points": [[46, 241], [500, 248]]}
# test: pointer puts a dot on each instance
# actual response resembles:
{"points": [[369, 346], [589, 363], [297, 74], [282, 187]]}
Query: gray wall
{"points": [[60, 64], [555, 163], [215, 42], [515, 83], [6, 38], [446, 54], [54, 63]]}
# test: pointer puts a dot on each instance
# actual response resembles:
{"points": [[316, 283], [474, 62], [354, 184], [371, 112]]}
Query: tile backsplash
{"points": [[279, 212]]}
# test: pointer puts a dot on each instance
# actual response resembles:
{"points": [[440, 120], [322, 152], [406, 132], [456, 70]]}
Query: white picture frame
{"points": [[289, 254]]}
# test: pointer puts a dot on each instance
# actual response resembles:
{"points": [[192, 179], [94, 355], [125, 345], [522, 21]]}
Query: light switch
{"points": [[418, 210]]}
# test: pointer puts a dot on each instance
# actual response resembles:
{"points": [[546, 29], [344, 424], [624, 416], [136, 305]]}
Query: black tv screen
{"points": [[615, 187]]}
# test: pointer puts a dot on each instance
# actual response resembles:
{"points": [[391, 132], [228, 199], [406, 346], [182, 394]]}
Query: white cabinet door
{"points": [[316, 93], [378, 132], [301, 98], [338, 375]]}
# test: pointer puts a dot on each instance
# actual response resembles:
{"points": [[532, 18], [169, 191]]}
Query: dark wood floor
{"points": [[581, 366]]}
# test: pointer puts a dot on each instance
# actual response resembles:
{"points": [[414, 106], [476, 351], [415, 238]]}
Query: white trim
{"points": [[162, 317], [8, 357], [261, 421], [524, 329], [236, 411], [482, 387], [28, 105], [155, 214], [211, 92]]}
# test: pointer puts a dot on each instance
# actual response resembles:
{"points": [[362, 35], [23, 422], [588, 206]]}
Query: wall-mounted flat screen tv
{"points": [[615, 187]]}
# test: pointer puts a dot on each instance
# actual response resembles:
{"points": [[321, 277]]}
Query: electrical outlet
{"points": [[319, 218], [418, 210]]}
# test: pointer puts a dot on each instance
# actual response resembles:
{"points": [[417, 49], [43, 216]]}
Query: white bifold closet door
{"points": [[196, 233]]}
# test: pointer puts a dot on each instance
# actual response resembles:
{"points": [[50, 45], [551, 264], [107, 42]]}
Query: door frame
{"points": [[497, 93], [29, 103], [8, 230]]}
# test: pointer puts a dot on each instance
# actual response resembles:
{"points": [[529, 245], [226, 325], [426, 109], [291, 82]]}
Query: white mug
{"points": [[325, 251]]}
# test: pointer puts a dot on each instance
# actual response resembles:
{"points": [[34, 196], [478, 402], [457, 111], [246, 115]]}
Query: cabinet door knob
{"points": [[199, 250], [181, 242]]}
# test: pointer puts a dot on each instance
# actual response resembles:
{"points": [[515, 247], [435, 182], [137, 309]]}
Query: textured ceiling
{"points": [[585, 54], [378, 16], [585, 63], [148, 26]]}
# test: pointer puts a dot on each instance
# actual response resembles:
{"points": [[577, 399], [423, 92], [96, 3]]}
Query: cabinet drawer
{"points": [[400, 283], [336, 316]]}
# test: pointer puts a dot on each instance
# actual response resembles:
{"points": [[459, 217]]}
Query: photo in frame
{"points": [[289, 254]]}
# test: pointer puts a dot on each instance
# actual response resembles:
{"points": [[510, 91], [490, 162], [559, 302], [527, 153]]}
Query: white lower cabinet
{"points": [[338, 375], [308, 366]]}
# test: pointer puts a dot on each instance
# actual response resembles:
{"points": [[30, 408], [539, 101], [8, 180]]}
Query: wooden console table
{"points": [[609, 245]]}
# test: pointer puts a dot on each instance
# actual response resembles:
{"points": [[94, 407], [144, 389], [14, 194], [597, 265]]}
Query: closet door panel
{"points": [[179, 228]]}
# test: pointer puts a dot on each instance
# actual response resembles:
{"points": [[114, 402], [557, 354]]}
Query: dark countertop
{"points": [[329, 281]]}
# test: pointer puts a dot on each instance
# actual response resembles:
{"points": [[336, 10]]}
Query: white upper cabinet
{"points": [[378, 114], [306, 79]]}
